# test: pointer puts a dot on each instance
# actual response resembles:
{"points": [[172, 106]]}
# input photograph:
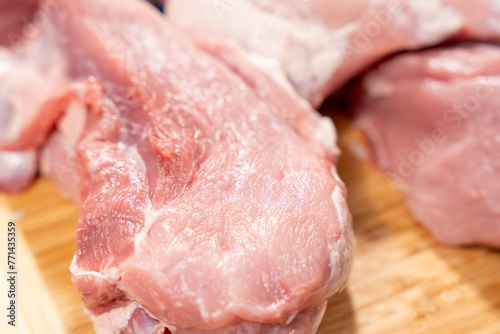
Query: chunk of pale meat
{"points": [[321, 44], [433, 121], [210, 199]]}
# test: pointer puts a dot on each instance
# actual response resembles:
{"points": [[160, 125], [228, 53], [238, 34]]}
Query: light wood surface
{"points": [[34, 310], [402, 282]]}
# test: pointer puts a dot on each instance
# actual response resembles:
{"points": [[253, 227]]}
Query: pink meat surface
{"points": [[433, 121], [210, 198], [320, 44], [31, 94], [18, 169], [14, 15], [58, 157], [31, 101]]}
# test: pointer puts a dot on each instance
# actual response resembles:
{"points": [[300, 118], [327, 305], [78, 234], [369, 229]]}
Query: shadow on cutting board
{"points": [[339, 316]]}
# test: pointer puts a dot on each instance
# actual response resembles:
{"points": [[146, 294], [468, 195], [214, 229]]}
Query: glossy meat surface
{"points": [[210, 199]]}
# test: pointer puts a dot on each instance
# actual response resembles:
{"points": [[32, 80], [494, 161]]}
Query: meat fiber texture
{"points": [[432, 119], [210, 197], [318, 45]]}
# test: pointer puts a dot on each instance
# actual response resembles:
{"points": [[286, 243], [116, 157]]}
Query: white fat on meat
{"points": [[321, 44]]}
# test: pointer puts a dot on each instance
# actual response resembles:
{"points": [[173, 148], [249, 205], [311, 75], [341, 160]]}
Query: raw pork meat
{"points": [[320, 44], [433, 121], [31, 93], [31, 73], [18, 170], [14, 15], [210, 199], [58, 159]]}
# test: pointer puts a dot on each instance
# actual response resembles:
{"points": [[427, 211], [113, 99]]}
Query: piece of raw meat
{"points": [[321, 44], [18, 170], [58, 158], [432, 119], [31, 74], [210, 198], [32, 97], [14, 15]]}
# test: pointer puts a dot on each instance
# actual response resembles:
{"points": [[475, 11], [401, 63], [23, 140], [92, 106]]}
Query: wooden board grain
{"points": [[30, 306], [49, 224], [402, 281]]}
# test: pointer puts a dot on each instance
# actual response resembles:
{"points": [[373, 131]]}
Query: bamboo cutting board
{"points": [[402, 282]]}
